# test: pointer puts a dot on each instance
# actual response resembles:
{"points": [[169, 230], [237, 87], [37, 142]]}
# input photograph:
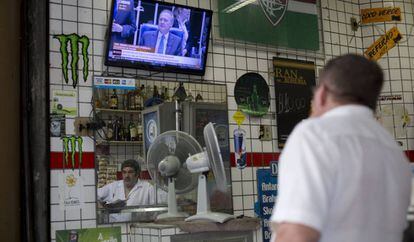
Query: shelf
{"points": [[112, 142], [116, 110]]}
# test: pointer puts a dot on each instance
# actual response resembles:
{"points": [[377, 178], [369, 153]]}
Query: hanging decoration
{"points": [[252, 94], [375, 15], [382, 45]]}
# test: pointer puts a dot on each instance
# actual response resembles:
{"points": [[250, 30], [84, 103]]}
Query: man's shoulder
{"points": [[114, 185], [150, 33], [174, 36]]}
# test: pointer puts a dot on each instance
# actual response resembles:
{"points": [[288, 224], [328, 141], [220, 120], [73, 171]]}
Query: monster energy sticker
{"points": [[71, 145], [70, 190], [64, 102], [72, 41], [252, 94]]}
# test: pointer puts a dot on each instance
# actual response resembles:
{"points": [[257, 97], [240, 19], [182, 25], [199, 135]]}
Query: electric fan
{"points": [[165, 160], [201, 163]]}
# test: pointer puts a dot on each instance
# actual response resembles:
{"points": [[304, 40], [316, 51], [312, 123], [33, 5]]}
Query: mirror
{"points": [[129, 114]]}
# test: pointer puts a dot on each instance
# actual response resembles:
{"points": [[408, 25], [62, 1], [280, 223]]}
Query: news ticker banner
{"points": [[114, 83], [375, 15], [275, 23], [294, 80], [112, 234], [382, 45], [267, 194]]}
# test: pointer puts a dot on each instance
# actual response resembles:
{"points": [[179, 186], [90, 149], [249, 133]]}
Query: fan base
{"points": [[211, 216]]}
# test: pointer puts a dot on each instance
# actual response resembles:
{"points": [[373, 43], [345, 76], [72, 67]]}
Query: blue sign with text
{"points": [[267, 192]]}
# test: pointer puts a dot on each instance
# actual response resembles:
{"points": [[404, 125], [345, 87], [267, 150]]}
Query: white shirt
{"points": [[143, 193], [344, 175], [159, 40]]}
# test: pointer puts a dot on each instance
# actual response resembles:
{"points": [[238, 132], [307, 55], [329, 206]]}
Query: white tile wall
{"points": [[225, 63]]}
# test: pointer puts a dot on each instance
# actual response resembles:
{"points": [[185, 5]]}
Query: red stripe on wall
{"points": [[410, 155], [256, 159], [56, 160]]}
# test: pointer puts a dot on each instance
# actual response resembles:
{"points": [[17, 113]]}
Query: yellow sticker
{"points": [[374, 15], [382, 45], [239, 117]]}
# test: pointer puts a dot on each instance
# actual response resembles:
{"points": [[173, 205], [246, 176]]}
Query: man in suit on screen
{"points": [[123, 26], [162, 40]]}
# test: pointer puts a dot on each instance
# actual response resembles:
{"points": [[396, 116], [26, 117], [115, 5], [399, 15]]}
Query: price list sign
{"points": [[294, 80], [267, 192]]}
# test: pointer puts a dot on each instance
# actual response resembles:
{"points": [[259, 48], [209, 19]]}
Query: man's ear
{"points": [[319, 101], [323, 95]]}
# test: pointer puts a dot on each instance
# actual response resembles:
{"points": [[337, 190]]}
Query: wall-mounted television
{"points": [[159, 36]]}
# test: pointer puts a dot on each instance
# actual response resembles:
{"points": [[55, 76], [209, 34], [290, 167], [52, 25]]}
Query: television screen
{"points": [[157, 35]]}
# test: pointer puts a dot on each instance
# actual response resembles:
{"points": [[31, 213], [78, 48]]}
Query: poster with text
{"points": [[64, 102], [267, 194], [71, 190], [112, 234], [294, 81]]}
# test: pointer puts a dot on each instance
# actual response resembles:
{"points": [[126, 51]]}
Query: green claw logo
{"points": [[70, 145], [74, 40]]}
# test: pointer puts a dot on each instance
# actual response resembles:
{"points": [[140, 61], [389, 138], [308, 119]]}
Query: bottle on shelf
{"points": [[189, 97], [138, 99], [125, 103], [166, 95], [199, 98], [148, 93], [123, 134], [142, 95], [133, 132], [139, 132], [131, 100], [113, 100], [109, 129], [155, 93], [117, 129]]}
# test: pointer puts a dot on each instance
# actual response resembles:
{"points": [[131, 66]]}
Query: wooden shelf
{"points": [[116, 110]]}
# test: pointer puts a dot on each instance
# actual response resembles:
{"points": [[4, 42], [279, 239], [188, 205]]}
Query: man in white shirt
{"points": [[162, 40], [130, 191], [342, 176]]}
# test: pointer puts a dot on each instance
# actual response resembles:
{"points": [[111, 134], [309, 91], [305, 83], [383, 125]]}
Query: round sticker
{"points": [[252, 94], [152, 130]]}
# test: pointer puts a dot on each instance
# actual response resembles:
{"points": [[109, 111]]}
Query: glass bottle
{"points": [[199, 98], [133, 132], [113, 100], [189, 97], [131, 100], [166, 95], [148, 93], [143, 96], [155, 93], [139, 132], [117, 129], [109, 129]]}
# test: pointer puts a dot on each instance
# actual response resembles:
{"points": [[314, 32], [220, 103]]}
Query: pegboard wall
{"points": [[225, 63]]}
